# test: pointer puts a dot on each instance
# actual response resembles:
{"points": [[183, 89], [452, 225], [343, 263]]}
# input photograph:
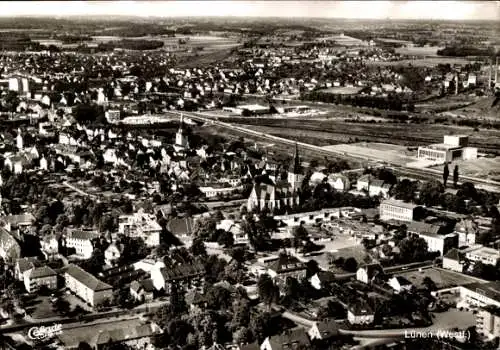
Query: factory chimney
{"points": [[456, 84]]}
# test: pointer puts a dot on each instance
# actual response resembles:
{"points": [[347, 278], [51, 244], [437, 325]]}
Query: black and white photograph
{"points": [[249, 175]]}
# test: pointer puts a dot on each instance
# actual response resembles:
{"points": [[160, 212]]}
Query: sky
{"points": [[446, 10]]}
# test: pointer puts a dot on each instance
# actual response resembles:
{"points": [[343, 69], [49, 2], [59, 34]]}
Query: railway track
{"points": [[420, 174]]}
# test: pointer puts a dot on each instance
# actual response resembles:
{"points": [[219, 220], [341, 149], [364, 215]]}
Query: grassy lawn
{"points": [[443, 279], [40, 307]]}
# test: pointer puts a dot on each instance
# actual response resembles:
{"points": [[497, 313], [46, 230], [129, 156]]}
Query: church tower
{"points": [[295, 175], [181, 139]]}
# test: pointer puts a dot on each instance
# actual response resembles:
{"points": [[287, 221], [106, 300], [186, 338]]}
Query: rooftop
{"points": [[398, 203], [86, 278]]}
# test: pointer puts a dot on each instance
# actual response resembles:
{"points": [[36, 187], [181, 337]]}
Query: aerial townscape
{"points": [[260, 182]]}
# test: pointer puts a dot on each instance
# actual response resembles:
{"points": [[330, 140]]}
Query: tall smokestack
{"points": [[456, 84]]}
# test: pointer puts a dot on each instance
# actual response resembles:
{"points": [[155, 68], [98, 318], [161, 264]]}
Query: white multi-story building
{"points": [[453, 147], [142, 225], [93, 291], [392, 209], [81, 241], [440, 243], [486, 255]]}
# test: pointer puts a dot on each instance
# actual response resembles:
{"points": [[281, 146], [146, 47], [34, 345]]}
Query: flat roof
{"points": [[485, 251], [252, 107], [441, 147]]}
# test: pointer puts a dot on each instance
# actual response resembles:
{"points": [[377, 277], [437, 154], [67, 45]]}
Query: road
{"points": [[423, 174], [76, 189], [85, 319]]}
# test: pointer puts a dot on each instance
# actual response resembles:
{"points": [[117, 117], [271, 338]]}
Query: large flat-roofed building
{"points": [[481, 294], [392, 209], [453, 147], [485, 255]]}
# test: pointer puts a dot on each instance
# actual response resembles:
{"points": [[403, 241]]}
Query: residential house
{"points": [[142, 225], [290, 339], [467, 230], [400, 284], [286, 266], [81, 241], [10, 249], [374, 187], [391, 209], [49, 246], [113, 253], [142, 290], [91, 290], [339, 182], [368, 272], [454, 260], [20, 222], [40, 276], [196, 300], [22, 265], [189, 275], [360, 314], [235, 229], [133, 336], [322, 279], [324, 329]]}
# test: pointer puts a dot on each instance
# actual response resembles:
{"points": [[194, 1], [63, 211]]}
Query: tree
{"points": [[350, 264], [446, 174], [430, 193], [455, 176], [84, 346], [267, 289], [225, 239], [198, 247], [178, 304], [429, 284], [412, 249], [62, 306], [300, 235]]}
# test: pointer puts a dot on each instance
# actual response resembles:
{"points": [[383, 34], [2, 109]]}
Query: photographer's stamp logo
{"points": [[42, 332]]}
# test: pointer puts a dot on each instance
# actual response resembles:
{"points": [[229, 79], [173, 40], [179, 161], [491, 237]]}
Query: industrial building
{"points": [[454, 147], [252, 109]]}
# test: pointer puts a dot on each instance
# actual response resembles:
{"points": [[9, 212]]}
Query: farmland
{"points": [[422, 62], [390, 153], [334, 131], [485, 168]]}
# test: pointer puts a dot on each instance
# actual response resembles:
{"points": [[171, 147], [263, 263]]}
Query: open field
{"points": [[424, 62], [442, 278], [486, 168], [385, 152], [419, 51], [329, 132]]}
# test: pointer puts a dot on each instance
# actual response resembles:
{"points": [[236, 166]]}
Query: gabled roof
{"points": [[182, 271], [181, 226], [83, 235], [41, 272], [327, 328], [402, 281], [286, 263], [423, 227], [360, 309], [86, 278], [372, 269], [326, 276], [18, 219], [145, 284], [26, 264], [290, 339], [454, 254]]}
